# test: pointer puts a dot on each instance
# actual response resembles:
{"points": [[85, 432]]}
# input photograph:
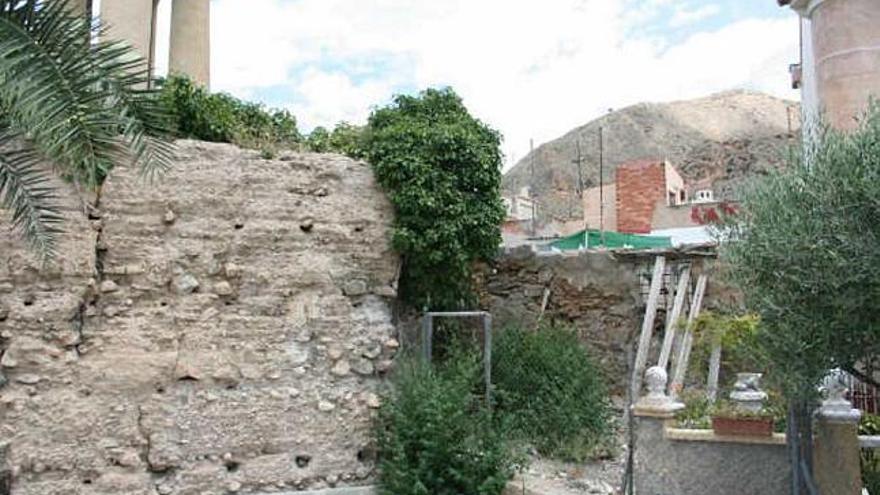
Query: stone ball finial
{"points": [[656, 379]]}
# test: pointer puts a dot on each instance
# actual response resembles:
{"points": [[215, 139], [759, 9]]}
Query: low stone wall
{"points": [[670, 461], [222, 331], [601, 294]]}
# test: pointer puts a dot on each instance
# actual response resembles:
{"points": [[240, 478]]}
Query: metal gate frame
{"points": [[428, 340]]}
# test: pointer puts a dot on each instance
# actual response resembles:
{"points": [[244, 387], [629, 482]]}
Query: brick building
{"points": [[640, 188]]}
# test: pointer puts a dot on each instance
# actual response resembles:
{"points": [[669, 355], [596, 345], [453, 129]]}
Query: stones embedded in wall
{"points": [[592, 291], [227, 332]]}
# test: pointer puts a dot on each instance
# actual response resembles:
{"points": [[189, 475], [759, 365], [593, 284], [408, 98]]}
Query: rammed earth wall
{"points": [[224, 330]]}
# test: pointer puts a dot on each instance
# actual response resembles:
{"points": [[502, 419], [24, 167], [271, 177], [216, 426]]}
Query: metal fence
{"points": [[864, 397]]}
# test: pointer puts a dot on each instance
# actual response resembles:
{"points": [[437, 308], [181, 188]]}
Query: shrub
{"points": [[550, 392], [436, 438], [219, 117], [441, 168]]}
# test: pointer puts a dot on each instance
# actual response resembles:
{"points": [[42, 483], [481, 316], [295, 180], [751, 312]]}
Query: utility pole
{"points": [[579, 188], [601, 186], [532, 185]]}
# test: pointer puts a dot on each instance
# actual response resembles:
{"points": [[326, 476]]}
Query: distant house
{"points": [[651, 197], [520, 206]]}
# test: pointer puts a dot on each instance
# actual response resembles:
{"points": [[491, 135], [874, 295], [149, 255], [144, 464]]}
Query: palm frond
{"points": [[84, 107], [26, 192]]}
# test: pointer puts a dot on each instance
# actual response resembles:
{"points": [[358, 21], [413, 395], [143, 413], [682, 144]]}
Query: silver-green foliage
{"points": [[69, 107], [804, 250]]}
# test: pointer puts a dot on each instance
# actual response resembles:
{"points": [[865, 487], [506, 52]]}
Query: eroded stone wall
{"points": [[224, 330], [601, 294]]}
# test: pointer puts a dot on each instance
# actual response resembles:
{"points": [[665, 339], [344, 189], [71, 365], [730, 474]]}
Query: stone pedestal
{"points": [[191, 40], [836, 453]]}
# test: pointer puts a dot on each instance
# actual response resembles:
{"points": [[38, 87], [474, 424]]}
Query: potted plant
{"points": [[729, 420]]}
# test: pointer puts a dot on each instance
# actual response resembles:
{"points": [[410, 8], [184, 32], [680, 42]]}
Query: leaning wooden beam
{"points": [[672, 322], [714, 370], [684, 354], [647, 328]]}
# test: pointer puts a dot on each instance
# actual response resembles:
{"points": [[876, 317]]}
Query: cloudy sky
{"points": [[530, 68]]}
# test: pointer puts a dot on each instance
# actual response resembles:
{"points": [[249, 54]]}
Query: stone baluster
{"points": [[651, 413]]}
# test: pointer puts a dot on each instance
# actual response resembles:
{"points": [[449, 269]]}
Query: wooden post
{"points": [[647, 328], [675, 314], [684, 354], [714, 371]]}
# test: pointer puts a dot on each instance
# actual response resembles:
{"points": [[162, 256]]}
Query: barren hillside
{"points": [[721, 139]]}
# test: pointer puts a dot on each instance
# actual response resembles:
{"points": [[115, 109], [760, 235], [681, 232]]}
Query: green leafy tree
{"points": [[68, 107], [441, 168], [804, 252]]}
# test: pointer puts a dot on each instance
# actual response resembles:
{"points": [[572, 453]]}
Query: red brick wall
{"points": [[639, 186]]}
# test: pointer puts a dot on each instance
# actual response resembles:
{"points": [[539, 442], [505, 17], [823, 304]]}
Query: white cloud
{"points": [[532, 69], [685, 17]]}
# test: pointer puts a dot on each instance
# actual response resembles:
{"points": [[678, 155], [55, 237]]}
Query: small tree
{"points": [[804, 251], [441, 168]]}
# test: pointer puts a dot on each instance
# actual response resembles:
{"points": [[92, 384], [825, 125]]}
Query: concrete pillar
{"points": [[836, 453], [191, 40], [131, 21], [81, 7], [652, 413], [846, 49]]}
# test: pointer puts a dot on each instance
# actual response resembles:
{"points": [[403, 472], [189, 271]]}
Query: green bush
{"points": [[441, 168], [435, 437], [219, 117], [550, 392]]}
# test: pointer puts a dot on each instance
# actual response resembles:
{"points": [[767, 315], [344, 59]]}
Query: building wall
{"points": [[592, 210], [225, 330], [674, 185], [639, 186]]}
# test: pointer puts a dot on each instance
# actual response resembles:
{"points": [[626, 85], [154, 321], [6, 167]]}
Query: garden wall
{"points": [[224, 330], [696, 462]]}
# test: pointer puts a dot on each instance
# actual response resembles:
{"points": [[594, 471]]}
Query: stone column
{"points": [[81, 7], [191, 40], [846, 49], [836, 453], [651, 413], [131, 21]]}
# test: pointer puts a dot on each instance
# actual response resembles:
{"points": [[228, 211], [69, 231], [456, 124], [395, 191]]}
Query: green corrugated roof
{"points": [[613, 240]]}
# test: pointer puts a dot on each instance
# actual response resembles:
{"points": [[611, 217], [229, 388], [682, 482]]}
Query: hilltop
{"points": [[720, 139]]}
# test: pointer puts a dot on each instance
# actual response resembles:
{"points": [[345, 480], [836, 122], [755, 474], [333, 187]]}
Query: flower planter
{"points": [[743, 426]]}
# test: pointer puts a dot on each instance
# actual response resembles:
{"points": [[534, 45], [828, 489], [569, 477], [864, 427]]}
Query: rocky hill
{"points": [[718, 140]]}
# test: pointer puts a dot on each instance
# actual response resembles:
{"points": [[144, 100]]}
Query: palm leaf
{"points": [[84, 107], [26, 191]]}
